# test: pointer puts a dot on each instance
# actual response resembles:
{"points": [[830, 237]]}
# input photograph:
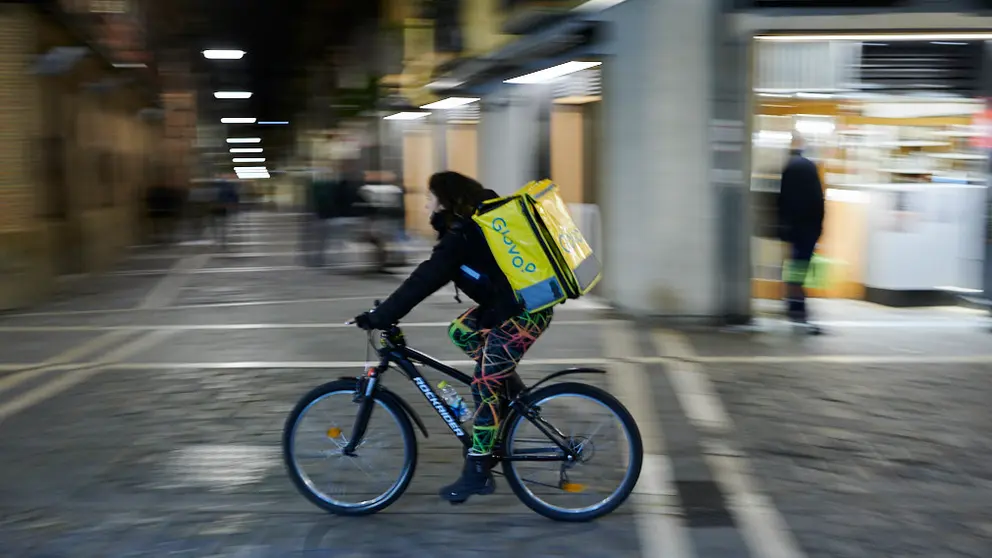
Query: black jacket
{"points": [[800, 200], [462, 256]]}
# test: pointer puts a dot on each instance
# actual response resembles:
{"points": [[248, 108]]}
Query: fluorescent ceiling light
{"points": [[237, 120], [250, 169], [232, 94], [407, 115], [450, 103], [253, 176], [596, 5], [553, 72], [130, 65], [445, 84], [222, 54], [950, 36], [248, 160], [273, 122], [244, 140], [246, 150]]}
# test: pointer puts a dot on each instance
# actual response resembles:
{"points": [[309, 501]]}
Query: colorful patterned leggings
{"points": [[496, 352]]}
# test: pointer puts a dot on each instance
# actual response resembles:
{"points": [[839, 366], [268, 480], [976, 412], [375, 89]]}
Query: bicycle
{"points": [[527, 407]]}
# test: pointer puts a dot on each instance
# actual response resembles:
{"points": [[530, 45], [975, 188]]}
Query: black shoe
{"points": [[476, 479]]}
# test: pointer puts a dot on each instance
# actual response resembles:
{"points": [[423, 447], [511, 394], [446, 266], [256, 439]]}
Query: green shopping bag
{"points": [[817, 273]]}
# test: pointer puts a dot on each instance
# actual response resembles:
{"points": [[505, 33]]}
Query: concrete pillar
{"points": [[663, 204], [987, 93], [439, 131], [514, 137]]}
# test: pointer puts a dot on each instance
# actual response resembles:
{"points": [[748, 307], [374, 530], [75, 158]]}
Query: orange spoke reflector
{"points": [[334, 432], [573, 487]]}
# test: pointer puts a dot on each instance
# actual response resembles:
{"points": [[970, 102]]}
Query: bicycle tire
{"points": [[626, 487], [389, 402]]}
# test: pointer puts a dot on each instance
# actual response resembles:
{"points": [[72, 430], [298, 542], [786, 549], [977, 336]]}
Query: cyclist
{"points": [[495, 334]]}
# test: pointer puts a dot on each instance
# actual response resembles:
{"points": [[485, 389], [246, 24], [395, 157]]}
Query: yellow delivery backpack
{"points": [[538, 246]]}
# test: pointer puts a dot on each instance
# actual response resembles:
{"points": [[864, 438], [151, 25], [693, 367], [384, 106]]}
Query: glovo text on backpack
{"points": [[538, 246]]}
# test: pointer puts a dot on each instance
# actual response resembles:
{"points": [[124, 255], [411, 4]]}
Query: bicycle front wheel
{"points": [[597, 427], [367, 481]]}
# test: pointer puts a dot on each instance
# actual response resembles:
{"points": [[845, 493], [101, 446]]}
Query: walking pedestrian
{"points": [[801, 210]]}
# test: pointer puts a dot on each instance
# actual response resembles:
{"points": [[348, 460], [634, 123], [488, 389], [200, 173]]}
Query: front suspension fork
{"points": [[364, 396]]}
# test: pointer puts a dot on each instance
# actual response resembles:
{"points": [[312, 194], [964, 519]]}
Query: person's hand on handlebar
{"points": [[371, 320], [366, 321]]}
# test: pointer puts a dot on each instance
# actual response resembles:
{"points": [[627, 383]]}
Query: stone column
{"points": [[514, 135], [987, 140], [672, 190]]}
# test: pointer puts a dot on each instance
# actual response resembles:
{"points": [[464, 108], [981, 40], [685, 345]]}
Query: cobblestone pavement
{"points": [[872, 441], [175, 448], [141, 414]]}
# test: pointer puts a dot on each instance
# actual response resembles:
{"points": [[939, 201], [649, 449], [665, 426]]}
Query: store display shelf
{"points": [[914, 143], [908, 171], [959, 156]]}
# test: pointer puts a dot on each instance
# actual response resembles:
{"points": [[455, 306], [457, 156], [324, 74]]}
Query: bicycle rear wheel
{"points": [[600, 480], [318, 429]]}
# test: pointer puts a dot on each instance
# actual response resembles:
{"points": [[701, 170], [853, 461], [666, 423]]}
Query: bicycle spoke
{"points": [[588, 439], [373, 474], [597, 479], [544, 484]]}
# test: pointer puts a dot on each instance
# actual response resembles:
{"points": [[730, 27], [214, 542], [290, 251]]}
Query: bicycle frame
{"points": [[395, 351]]}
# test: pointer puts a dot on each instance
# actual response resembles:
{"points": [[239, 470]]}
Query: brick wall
{"points": [[19, 115], [51, 226]]}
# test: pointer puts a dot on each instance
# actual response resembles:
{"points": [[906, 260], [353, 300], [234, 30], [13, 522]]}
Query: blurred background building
{"points": [[666, 123]]}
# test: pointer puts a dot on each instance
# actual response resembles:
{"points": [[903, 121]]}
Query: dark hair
{"points": [[459, 194]]}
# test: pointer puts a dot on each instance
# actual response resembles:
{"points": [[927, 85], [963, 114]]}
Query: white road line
{"points": [[330, 365], [764, 530], [78, 375], [950, 323], [661, 530], [136, 346], [687, 379], [89, 347], [46, 391], [574, 306], [168, 288], [235, 327], [842, 359], [11, 381], [62, 360], [761, 525], [692, 388], [308, 301]]}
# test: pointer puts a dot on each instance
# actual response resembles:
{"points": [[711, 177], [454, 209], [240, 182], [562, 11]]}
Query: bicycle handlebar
{"points": [[375, 304]]}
